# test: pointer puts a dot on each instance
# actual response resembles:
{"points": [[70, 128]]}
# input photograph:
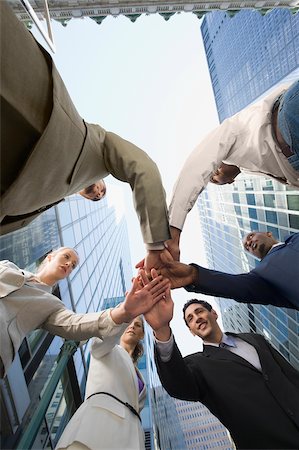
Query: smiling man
{"points": [[241, 378], [274, 281]]}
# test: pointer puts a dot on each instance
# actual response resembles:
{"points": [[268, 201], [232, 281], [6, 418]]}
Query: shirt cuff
{"points": [[155, 246], [165, 348]]}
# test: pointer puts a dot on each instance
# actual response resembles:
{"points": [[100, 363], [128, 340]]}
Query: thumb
{"points": [[140, 264], [154, 273], [135, 286]]}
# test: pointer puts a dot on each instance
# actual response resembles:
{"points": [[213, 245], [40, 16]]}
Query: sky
{"points": [[148, 82]]}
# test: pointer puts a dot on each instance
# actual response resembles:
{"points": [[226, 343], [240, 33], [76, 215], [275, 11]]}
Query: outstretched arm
{"points": [[244, 288], [140, 299], [197, 170], [128, 163]]}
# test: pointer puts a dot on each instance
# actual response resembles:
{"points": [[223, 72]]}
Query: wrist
{"points": [[119, 315], [193, 275], [158, 246], [163, 334]]}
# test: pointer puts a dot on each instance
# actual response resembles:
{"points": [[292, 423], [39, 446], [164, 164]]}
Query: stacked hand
{"points": [[143, 295]]}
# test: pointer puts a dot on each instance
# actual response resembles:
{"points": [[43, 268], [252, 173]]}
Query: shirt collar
{"points": [[275, 245], [226, 339]]}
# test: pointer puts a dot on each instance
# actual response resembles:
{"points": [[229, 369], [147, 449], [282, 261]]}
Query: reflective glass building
{"points": [[247, 53], [202, 430], [46, 382]]}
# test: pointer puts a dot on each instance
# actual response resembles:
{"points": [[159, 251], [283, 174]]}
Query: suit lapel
{"points": [[220, 353]]}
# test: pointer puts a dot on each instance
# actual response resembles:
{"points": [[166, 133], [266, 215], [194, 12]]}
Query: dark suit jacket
{"points": [[274, 281], [260, 409]]}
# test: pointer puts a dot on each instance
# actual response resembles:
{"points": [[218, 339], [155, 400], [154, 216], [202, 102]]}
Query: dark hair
{"points": [[206, 305]]}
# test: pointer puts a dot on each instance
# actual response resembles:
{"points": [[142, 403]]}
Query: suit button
{"points": [[290, 412], [266, 378]]}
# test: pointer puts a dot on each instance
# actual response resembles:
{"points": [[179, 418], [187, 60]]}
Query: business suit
{"points": [[260, 409], [26, 305], [274, 281], [55, 153], [102, 422]]}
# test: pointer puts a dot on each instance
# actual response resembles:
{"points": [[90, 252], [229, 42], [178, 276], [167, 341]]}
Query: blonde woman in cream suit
{"points": [[102, 421], [26, 304]]}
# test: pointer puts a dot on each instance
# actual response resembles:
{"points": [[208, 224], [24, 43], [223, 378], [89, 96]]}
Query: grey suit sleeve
{"points": [[128, 163], [245, 288]]}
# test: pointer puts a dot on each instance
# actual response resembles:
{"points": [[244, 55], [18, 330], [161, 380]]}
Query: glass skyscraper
{"points": [[46, 383], [247, 53]]}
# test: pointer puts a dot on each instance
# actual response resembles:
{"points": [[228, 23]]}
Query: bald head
{"points": [[259, 243]]}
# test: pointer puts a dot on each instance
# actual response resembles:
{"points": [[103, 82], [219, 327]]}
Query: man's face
{"points": [[201, 322], [258, 244], [94, 192], [220, 178]]}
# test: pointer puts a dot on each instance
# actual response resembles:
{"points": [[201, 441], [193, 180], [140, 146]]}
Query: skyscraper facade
{"points": [[46, 382], [248, 53], [202, 430]]}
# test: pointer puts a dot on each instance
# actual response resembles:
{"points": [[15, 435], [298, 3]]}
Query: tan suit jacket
{"points": [[102, 422], [26, 306], [69, 154]]}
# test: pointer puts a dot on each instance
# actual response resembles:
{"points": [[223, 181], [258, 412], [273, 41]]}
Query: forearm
{"points": [[196, 172], [246, 288], [128, 163], [79, 327]]}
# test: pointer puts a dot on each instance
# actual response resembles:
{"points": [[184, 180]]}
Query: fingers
{"points": [[159, 297], [135, 285], [160, 288], [154, 273], [140, 264], [144, 278]]}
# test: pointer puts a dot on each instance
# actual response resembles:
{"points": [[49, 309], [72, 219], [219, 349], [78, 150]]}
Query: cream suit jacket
{"points": [[102, 422], [70, 154], [26, 306]]}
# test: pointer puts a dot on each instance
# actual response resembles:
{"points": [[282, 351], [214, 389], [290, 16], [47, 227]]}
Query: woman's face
{"points": [[134, 332], [62, 262]]}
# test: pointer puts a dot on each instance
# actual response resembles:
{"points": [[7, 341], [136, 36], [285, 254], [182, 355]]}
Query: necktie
{"points": [[223, 345]]}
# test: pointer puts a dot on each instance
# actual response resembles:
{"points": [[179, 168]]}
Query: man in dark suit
{"points": [[49, 152], [273, 282], [241, 378]]}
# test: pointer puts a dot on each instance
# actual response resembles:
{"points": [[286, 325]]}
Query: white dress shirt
{"points": [[244, 140]]}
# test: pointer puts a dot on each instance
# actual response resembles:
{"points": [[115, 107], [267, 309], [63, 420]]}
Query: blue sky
{"points": [[148, 82]]}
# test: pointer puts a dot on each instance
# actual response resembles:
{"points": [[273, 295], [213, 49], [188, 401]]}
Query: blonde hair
{"points": [[53, 252]]}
